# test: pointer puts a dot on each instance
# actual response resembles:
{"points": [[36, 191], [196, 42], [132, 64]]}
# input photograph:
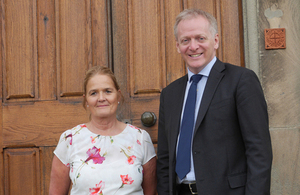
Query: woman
{"points": [[103, 156]]}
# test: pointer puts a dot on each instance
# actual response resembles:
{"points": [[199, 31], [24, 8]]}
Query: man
{"points": [[229, 152]]}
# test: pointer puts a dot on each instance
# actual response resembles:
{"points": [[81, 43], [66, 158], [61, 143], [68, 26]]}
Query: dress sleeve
{"points": [[149, 151], [62, 150]]}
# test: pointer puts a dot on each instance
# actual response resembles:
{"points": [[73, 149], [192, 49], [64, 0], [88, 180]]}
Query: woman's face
{"points": [[101, 97]]}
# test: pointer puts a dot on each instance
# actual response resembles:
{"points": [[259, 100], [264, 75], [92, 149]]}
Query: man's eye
{"points": [[93, 93], [184, 41], [201, 38], [108, 91]]}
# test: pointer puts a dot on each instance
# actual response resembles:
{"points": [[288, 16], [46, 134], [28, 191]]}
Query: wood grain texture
{"points": [[41, 123], [20, 49], [24, 163], [232, 32], [138, 107], [175, 66], [120, 43], [46, 156], [73, 36], [147, 47], [101, 33], [1, 154], [46, 50], [1, 89]]}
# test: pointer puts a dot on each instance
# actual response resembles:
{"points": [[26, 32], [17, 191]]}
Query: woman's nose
{"points": [[101, 97]]}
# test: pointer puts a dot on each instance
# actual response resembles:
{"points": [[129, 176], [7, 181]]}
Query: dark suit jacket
{"points": [[231, 148]]}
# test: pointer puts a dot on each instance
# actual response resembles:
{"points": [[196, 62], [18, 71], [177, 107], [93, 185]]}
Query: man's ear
{"points": [[216, 46], [177, 46]]}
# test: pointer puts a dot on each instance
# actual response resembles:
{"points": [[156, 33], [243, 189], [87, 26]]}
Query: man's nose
{"points": [[193, 45]]}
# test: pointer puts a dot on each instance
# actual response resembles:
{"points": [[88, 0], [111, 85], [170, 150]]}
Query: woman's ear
{"points": [[119, 95], [85, 105]]}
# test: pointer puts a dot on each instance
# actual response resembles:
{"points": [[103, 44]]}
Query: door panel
{"points": [[46, 50], [39, 123], [46, 47], [22, 172], [147, 47], [19, 52], [73, 33]]}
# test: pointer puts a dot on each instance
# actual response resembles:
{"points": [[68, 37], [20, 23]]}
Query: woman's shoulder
{"points": [[138, 132], [73, 131], [135, 129], [77, 128]]}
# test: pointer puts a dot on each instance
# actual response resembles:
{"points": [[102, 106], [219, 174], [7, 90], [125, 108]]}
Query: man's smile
{"points": [[195, 55]]}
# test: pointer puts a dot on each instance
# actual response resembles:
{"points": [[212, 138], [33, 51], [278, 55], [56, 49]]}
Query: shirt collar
{"points": [[206, 70]]}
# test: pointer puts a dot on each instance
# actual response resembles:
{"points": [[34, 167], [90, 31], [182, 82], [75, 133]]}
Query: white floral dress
{"points": [[105, 165]]}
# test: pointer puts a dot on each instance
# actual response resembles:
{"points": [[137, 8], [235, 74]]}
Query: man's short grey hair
{"points": [[194, 13]]}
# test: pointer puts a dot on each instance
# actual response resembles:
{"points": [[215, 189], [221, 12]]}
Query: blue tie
{"points": [[183, 160]]}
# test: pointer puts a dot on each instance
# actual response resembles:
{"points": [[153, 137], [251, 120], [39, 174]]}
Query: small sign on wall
{"points": [[275, 38]]}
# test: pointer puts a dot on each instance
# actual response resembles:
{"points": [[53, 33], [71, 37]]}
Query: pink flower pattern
{"points": [[134, 127], [71, 135], [131, 159], [93, 139], [82, 125], [95, 156], [126, 180], [67, 136], [98, 189], [70, 165]]}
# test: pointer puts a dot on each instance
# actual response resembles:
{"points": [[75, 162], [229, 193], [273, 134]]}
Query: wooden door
{"points": [[46, 47]]}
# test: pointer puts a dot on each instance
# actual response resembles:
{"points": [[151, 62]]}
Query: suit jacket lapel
{"points": [[212, 83], [179, 92]]}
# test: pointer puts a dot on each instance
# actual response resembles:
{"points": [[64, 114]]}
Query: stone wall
{"points": [[279, 72]]}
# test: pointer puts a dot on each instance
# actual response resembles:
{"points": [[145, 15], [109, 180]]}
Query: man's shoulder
{"points": [[180, 81], [235, 73], [231, 68]]}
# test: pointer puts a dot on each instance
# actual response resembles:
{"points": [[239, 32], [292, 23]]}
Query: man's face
{"points": [[195, 43]]}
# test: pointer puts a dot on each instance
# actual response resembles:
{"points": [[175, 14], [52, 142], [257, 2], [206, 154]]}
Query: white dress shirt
{"points": [[200, 89]]}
